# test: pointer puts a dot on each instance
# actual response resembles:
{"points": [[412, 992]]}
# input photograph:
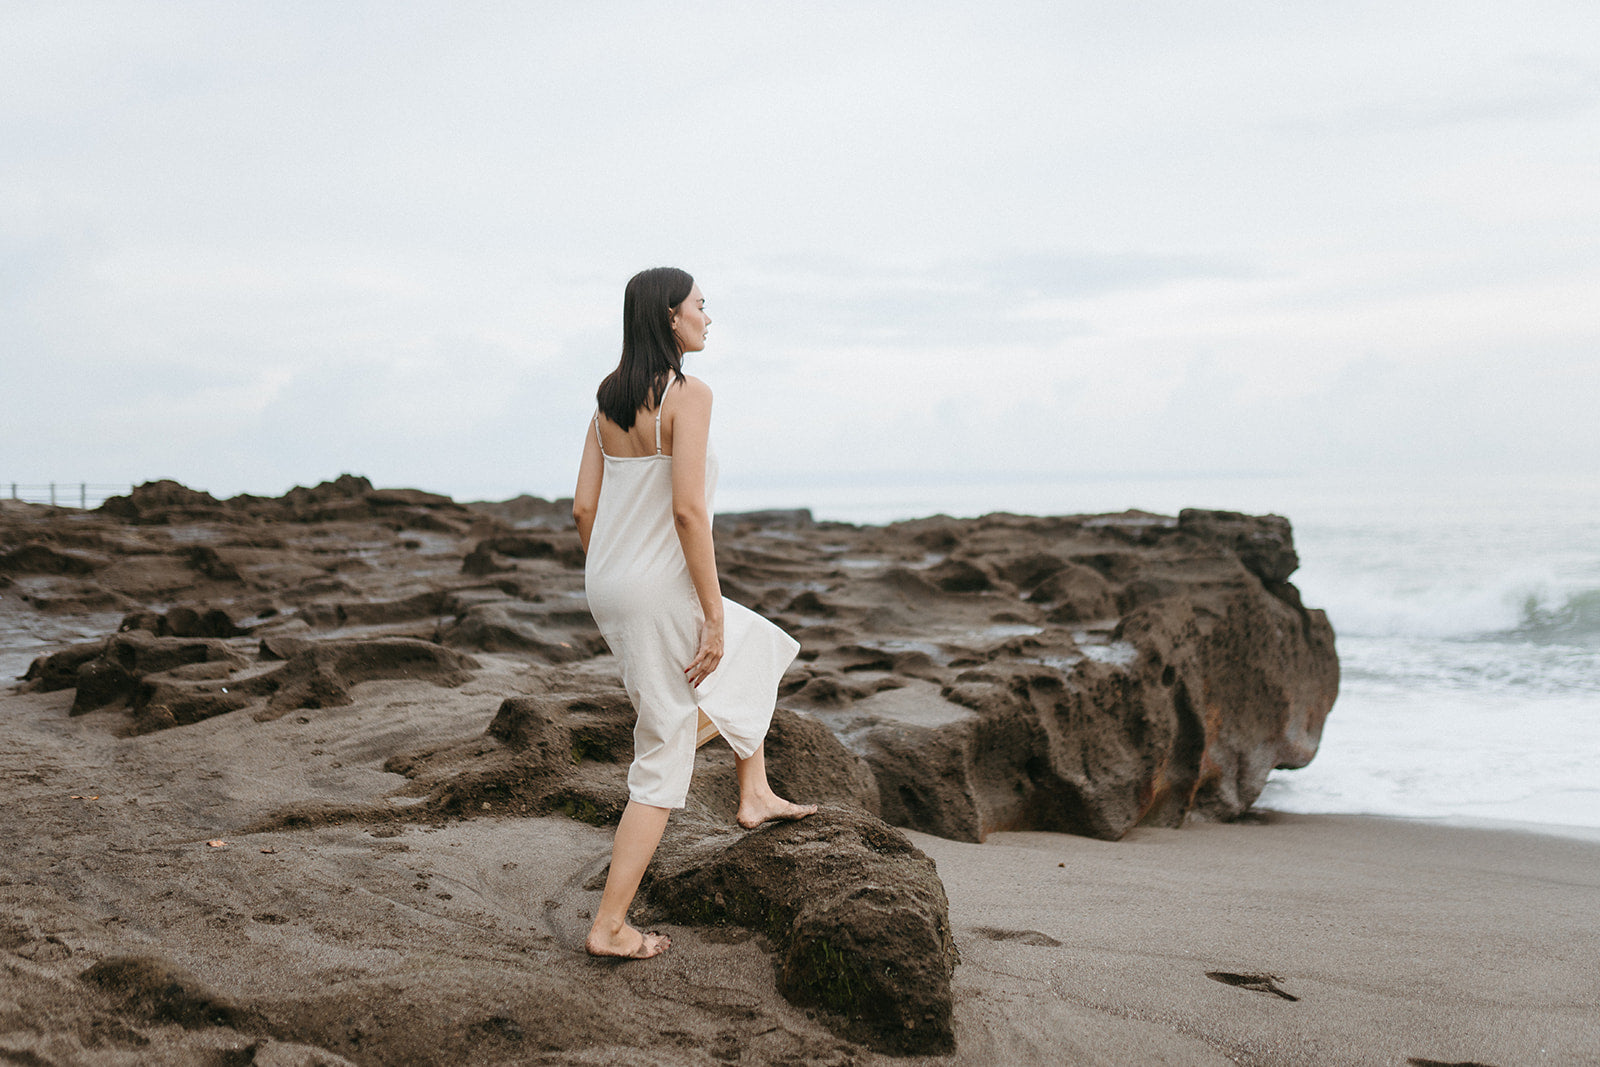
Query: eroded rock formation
{"points": [[1084, 674], [856, 913]]}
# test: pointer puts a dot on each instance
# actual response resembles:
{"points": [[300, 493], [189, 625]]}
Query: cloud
{"points": [[1521, 90], [248, 247]]}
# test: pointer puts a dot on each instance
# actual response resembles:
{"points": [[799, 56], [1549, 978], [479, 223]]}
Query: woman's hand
{"points": [[709, 653]]}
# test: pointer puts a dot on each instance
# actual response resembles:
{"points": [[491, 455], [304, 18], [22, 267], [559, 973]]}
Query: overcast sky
{"points": [[253, 245]]}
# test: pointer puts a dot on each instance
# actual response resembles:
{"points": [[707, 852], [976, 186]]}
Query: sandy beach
{"points": [[1400, 941], [329, 778]]}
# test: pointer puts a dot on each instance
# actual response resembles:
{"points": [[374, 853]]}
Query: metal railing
{"points": [[65, 494]]}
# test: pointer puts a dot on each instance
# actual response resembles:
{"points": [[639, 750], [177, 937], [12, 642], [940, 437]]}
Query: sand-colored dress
{"points": [[644, 602]]}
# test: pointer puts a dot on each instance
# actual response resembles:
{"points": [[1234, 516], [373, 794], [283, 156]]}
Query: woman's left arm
{"points": [[586, 497]]}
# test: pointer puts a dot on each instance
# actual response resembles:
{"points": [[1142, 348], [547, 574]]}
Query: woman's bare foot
{"points": [[757, 810], [622, 945]]}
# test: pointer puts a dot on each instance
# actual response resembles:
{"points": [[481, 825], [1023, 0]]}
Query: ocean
{"points": [[1467, 614]]}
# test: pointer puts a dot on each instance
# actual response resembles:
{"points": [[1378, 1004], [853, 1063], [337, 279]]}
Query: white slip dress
{"points": [[642, 598]]}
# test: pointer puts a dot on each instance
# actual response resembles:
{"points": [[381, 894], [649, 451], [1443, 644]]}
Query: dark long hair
{"points": [[651, 357]]}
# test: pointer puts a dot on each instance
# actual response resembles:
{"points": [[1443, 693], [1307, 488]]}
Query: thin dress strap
{"points": [[597, 439], [658, 429]]}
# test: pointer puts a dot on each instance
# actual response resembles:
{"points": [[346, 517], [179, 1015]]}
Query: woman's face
{"points": [[689, 321]]}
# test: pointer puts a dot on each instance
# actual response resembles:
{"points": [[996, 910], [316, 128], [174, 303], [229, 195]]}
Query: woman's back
{"points": [[635, 557], [642, 439]]}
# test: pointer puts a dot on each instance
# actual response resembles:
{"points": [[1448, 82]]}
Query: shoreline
{"points": [[1399, 937], [1590, 834], [1396, 939]]}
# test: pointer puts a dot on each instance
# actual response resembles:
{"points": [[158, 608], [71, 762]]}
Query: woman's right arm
{"points": [[691, 429], [586, 497]]}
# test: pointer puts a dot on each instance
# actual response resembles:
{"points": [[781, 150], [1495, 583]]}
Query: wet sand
{"points": [[1399, 939], [411, 943]]}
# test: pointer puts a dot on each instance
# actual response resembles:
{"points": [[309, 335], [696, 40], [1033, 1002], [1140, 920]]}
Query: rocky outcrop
{"points": [[162, 501], [166, 681], [348, 498], [568, 751], [856, 915], [183, 622], [529, 512], [493, 554], [552, 633], [1083, 673], [118, 667], [59, 670], [1263, 543], [42, 558], [738, 523], [321, 674], [1165, 679]]}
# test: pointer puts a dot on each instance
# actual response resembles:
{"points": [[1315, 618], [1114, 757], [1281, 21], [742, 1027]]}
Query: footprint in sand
{"points": [[1027, 937], [1256, 983]]}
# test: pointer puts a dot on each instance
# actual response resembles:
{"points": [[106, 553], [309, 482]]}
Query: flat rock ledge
{"points": [[174, 681], [855, 912]]}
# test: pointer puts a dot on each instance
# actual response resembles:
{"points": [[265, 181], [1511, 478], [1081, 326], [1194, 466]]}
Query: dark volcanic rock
{"points": [[1076, 593], [568, 751], [521, 546], [1027, 571], [923, 779], [484, 557], [730, 522], [959, 576], [162, 701], [321, 674], [1252, 679], [283, 646], [1076, 673], [804, 759], [1085, 674], [182, 622], [347, 498], [114, 674], [1164, 679], [553, 633], [160, 502], [40, 558], [856, 913], [205, 560], [59, 670], [529, 512], [173, 681], [1263, 543], [426, 605], [481, 561]]}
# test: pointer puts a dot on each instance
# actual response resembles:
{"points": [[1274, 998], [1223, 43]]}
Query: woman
{"points": [[643, 508]]}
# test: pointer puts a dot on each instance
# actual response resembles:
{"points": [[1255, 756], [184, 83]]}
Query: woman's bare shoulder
{"points": [[690, 390]]}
